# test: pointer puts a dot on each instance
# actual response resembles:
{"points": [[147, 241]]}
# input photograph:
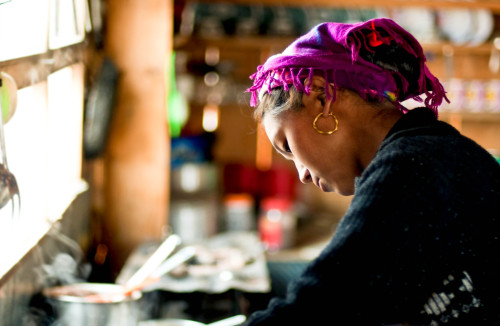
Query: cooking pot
{"points": [[74, 308], [171, 322], [231, 321], [106, 304]]}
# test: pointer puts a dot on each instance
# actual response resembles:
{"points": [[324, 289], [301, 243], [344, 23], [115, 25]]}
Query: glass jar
{"points": [[239, 212]]}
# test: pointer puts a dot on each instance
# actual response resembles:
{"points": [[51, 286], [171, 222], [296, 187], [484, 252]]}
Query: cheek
{"points": [[335, 160], [344, 171], [315, 153]]}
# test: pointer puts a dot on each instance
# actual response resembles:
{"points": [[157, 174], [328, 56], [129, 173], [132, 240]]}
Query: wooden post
{"points": [[139, 40]]}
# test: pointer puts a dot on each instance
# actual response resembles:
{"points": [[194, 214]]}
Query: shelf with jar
{"points": [[493, 5], [461, 22], [461, 42]]}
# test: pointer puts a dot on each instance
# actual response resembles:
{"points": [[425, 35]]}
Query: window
{"points": [[44, 151], [23, 28], [44, 137]]}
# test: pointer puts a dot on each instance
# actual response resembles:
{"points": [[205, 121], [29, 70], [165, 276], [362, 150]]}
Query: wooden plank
{"points": [[139, 41]]}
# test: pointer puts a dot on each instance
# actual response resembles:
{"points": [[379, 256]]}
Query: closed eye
{"points": [[286, 147]]}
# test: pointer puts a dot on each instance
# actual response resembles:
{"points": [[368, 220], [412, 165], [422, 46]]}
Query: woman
{"points": [[419, 244]]}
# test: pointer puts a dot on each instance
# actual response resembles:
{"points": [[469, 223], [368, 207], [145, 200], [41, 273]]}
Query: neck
{"points": [[379, 120]]}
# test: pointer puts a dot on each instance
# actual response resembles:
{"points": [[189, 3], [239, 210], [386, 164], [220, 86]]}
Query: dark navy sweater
{"points": [[419, 244]]}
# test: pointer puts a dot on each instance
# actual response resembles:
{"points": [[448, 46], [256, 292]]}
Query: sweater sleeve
{"points": [[386, 255]]}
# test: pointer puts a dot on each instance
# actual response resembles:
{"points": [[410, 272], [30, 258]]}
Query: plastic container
{"points": [[277, 224]]}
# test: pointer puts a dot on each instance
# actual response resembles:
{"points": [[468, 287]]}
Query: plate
{"points": [[456, 25], [420, 22], [483, 26]]}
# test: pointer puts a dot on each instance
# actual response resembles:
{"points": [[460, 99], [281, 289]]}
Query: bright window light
{"points": [[26, 147], [43, 142], [23, 28], [64, 136]]}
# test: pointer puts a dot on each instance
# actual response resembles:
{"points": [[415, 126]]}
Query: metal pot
{"points": [[231, 321], [73, 307], [171, 322]]}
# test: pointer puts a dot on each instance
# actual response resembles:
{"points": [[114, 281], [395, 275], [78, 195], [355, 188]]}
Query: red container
{"points": [[277, 223]]}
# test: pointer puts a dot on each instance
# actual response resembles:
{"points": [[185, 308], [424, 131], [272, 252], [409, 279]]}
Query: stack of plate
{"points": [[459, 26], [464, 26]]}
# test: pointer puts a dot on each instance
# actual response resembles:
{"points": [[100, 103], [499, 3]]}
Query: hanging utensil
{"points": [[9, 190]]}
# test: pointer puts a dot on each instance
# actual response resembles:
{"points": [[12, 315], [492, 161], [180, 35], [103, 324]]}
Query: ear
{"points": [[317, 85], [328, 101]]}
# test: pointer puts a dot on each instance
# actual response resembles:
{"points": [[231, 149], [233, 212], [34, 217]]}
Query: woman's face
{"points": [[331, 162]]}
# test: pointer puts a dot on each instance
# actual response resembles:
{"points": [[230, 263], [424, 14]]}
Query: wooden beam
{"points": [[139, 41]]}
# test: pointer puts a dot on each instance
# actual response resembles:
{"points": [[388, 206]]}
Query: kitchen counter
{"points": [[211, 277], [313, 234]]}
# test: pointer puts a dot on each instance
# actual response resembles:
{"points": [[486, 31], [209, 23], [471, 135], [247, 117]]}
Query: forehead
{"points": [[283, 124], [277, 101], [272, 124], [277, 125]]}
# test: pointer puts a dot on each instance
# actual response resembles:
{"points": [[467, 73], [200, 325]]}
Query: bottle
{"points": [[177, 105], [277, 223], [239, 212]]}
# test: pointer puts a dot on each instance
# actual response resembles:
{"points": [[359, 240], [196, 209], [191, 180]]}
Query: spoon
{"points": [[231, 321], [127, 289], [163, 251]]}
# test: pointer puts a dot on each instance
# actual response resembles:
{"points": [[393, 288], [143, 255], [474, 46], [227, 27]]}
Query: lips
{"points": [[320, 185], [317, 182]]}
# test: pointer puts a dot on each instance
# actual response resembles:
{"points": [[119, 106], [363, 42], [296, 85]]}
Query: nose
{"points": [[304, 174]]}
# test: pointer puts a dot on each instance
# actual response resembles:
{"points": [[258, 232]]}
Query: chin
{"points": [[326, 188], [343, 191]]}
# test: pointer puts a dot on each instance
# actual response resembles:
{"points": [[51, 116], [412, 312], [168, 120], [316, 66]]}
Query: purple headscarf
{"points": [[333, 50]]}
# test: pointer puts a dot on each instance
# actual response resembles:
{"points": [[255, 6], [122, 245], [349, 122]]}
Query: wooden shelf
{"points": [[493, 5], [447, 47], [266, 42], [470, 116], [237, 42]]}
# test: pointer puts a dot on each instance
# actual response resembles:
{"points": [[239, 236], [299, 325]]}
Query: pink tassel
{"points": [[307, 87], [297, 82]]}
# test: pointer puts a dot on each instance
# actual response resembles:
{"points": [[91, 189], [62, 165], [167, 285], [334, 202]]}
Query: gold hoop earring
{"points": [[329, 132]]}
